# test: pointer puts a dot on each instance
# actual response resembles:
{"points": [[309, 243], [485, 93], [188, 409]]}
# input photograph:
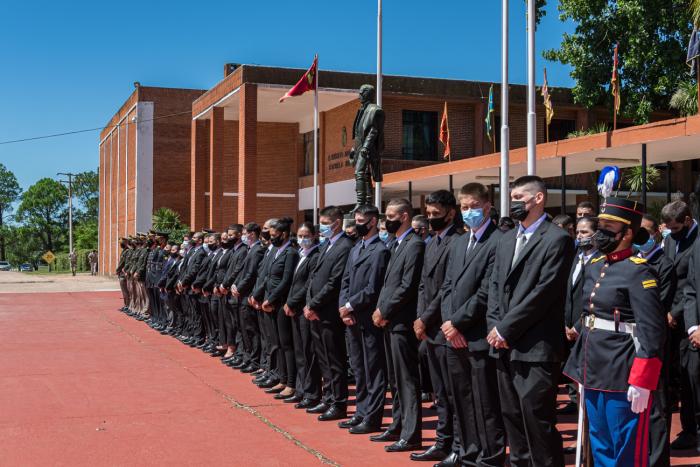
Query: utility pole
{"points": [[69, 182]]}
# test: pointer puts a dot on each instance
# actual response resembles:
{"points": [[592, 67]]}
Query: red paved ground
{"points": [[82, 384]]}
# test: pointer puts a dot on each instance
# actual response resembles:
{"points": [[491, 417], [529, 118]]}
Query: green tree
{"points": [[635, 178], [86, 186], [685, 99], [652, 37], [9, 193], [168, 221], [43, 209], [85, 235], [23, 245]]}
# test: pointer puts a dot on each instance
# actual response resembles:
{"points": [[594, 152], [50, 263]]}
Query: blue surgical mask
{"points": [[245, 239], [306, 243], [473, 217], [322, 240], [665, 233], [326, 230], [646, 247], [384, 236]]}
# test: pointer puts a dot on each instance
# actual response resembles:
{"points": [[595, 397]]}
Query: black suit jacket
{"points": [[363, 279], [236, 266], [526, 301], [173, 275], [466, 285], [437, 252], [681, 263], [663, 267], [691, 311], [574, 304], [258, 292], [280, 276], [296, 299], [212, 270], [196, 256], [398, 299], [248, 276], [326, 277]]}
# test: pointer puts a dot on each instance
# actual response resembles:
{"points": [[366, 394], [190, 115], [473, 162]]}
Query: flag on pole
{"points": [[489, 111], [445, 133], [306, 83], [615, 83], [549, 110]]}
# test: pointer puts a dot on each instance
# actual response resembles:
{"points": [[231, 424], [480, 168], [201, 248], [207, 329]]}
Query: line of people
{"points": [[496, 308]]}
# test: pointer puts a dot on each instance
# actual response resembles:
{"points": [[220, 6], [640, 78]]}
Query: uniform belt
{"points": [[594, 322]]}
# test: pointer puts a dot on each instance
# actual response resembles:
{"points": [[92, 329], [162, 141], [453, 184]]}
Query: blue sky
{"points": [[70, 65]]}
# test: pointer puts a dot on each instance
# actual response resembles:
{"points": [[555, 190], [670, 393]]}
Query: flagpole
{"points": [[505, 131], [316, 146], [531, 115], [378, 185]]}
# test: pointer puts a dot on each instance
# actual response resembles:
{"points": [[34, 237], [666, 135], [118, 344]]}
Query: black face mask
{"points": [[518, 211], [681, 234], [438, 223], [392, 226], [174, 255], [277, 241], [265, 234], [362, 229], [585, 243], [213, 247], [606, 241]]}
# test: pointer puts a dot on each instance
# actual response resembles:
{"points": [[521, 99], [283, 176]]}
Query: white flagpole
{"points": [[531, 115], [378, 185], [316, 146], [505, 130]]}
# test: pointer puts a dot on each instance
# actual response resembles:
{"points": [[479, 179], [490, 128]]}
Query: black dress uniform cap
{"points": [[627, 211], [208, 231]]}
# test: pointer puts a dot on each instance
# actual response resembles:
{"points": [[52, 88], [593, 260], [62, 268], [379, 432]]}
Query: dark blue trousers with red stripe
{"points": [[618, 436]]}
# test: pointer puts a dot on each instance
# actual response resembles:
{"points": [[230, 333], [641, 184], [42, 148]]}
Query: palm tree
{"points": [[685, 99], [166, 220], [635, 181], [695, 12]]}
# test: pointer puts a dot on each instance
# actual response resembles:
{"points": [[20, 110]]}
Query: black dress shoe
{"points": [[364, 429], [260, 378], [684, 440], [268, 383], [402, 446], [450, 461], [293, 399], [354, 421], [274, 389], [240, 365], [319, 408], [249, 369], [387, 436], [306, 404], [333, 413], [433, 453]]}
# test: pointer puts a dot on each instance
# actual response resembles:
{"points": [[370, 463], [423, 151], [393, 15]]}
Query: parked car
{"points": [[25, 267], [5, 266]]}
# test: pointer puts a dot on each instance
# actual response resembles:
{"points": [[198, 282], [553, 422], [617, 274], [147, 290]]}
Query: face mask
{"points": [[665, 233], [680, 235], [648, 246], [473, 217], [174, 255], [193, 242], [384, 236], [606, 240], [323, 240], [392, 226], [326, 230], [277, 241], [438, 223], [265, 234], [362, 229], [206, 247], [306, 243], [213, 247], [245, 239], [352, 236], [585, 244], [518, 210]]}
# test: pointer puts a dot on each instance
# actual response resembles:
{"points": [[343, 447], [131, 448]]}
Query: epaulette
{"points": [[599, 258], [637, 260]]}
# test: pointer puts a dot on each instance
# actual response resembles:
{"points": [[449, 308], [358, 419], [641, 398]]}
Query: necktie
{"points": [[519, 245], [472, 242], [577, 270]]}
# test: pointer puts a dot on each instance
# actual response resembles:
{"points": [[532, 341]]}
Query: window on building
{"points": [[559, 128], [308, 153], [420, 136]]}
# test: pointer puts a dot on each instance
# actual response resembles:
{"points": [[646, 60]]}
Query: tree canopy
{"points": [[44, 209]]}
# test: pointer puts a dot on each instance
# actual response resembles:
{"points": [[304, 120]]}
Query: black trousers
{"points": [[436, 355], [250, 333], [404, 379], [286, 356], [690, 391], [196, 328], [228, 313], [368, 362], [528, 397], [276, 366], [329, 345], [308, 372]]}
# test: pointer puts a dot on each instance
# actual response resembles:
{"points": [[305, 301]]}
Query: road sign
{"points": [[49, 257]]}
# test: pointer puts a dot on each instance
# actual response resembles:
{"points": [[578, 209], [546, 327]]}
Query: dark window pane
{"points": [[419, 136], [559, 129], [308, 153]]}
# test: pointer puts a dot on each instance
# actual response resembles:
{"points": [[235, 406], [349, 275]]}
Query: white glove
{"points": [[639, 398]]}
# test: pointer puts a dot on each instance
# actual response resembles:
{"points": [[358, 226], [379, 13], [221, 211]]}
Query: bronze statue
{"points": [[366, 153]]}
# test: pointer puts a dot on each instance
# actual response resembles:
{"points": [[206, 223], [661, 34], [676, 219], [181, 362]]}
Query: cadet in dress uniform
{"points": [[123, 257], [618, 356]]}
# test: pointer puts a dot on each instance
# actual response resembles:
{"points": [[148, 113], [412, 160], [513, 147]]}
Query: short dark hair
{"points": [[475, 189], [531, 180], [563, 220], [283, 224], [309, 226], [585, 205], [252, 227], [652, 219], [333, 212], [367, 210], [235, 227], [675, 211], [591, 220], [349, 223], [444, 198], [402, 205]]}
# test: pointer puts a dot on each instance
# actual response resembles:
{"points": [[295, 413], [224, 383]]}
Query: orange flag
{"points": [[445, 133], [306, 83]]}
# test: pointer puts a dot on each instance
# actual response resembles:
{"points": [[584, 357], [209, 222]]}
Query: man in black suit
{"points": [[440, 208], [322, 309], [241, 287], [233, 337], [679, 248], [525, 303], [472, 372], [205, 271], [362, 281], [395, 313], [192, 262]]}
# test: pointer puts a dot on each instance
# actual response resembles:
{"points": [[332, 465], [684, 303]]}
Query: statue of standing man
{"points": [[366, 153]]}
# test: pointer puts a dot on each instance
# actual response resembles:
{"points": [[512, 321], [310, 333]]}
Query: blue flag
{"points": [[489, 111]]}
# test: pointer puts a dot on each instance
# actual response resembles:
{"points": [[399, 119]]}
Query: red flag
{"points": [[306, 83], [445, 133], [615, 83]]}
